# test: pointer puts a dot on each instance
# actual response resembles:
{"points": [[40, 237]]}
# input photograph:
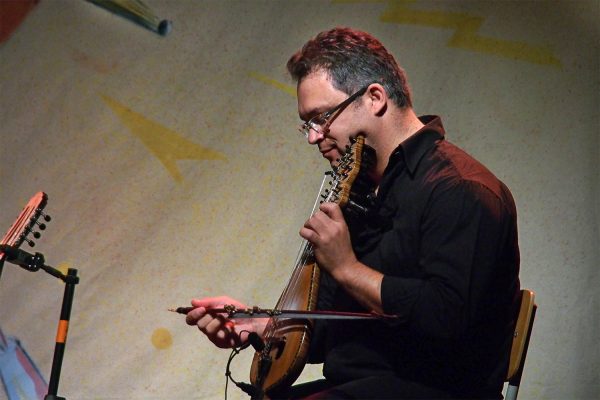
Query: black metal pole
{"points": [[71, 280]]}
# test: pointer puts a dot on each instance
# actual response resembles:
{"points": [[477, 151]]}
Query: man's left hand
{"points": [[328, 232]]}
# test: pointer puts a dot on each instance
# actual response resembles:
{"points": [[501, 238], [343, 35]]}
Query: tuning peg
{"points": [[41, 225], [47, 218], [29, 230], [30, 242]]}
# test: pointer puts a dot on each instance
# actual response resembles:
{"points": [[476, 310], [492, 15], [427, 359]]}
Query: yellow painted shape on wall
{"points": [[465, 33], [167, 145], [162, 338], [63, 267], [289, 89]]}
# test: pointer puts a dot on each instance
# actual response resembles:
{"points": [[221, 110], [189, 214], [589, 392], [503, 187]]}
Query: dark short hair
{"points": [[352, 59]]}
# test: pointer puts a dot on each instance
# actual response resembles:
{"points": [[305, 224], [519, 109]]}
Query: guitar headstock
{"points": [[353, 165], [26, 222]]}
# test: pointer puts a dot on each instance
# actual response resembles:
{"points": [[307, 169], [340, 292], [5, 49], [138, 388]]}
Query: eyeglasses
{"points": [[321, 121]]}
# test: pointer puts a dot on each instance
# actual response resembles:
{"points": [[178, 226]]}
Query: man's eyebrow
{"points": [[311, 114]]}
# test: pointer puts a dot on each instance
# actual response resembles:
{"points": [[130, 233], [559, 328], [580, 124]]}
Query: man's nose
{"points": [[315, 136]]}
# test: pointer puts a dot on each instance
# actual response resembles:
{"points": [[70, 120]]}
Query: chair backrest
{"points": [[520, 343]]}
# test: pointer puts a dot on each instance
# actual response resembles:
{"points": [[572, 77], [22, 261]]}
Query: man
{"points": [[438, 247]]}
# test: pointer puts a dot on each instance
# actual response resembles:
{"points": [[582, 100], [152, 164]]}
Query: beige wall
{"points": [[174, 170]]}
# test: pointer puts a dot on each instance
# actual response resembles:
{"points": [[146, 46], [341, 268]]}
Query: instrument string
{"points": [[306, 249], [305, 252]]}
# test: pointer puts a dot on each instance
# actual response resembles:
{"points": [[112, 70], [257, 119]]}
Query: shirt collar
{"points": [[415, 147]]}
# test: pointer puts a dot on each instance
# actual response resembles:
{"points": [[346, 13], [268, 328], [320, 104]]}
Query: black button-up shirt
{"points": [[443, 232]]}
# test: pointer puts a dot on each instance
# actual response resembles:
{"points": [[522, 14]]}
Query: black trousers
{"points": [[375, 387]]}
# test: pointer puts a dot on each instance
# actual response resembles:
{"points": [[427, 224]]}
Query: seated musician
{"points": [[437, 248]]}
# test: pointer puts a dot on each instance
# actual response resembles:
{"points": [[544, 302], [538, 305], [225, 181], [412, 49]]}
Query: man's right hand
{"points": [[222, 331]]}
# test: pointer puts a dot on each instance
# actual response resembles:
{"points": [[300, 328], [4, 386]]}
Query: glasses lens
{"points": [[304, 129], [318, 122], [307, 126]]}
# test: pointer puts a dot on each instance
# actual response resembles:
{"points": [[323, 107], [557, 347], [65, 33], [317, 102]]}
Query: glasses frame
{"points": [[327, 115]]}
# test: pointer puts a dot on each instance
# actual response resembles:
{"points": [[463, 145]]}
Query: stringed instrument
{"points": [[287, 340], [25, 225]]}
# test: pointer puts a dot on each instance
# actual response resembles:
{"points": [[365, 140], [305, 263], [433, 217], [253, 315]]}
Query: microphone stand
{"points": [[71, 279]]}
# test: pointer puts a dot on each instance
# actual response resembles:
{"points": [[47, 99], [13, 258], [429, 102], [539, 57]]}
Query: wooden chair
{"points": [[520, 343]]}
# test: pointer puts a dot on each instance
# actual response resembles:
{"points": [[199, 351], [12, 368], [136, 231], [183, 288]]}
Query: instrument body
{"points": [[287, 340], [286, 351]]}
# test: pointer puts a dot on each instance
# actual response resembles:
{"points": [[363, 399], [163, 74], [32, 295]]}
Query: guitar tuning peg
{"points": [[47, 218], [30, 242], [41, 225], [37, 235]]}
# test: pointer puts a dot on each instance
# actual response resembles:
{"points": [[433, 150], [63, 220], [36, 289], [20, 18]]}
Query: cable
{"points": [[234, 352], [248, 388]]}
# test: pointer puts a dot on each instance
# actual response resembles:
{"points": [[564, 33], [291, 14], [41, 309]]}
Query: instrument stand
{"points": [[71, 279]]}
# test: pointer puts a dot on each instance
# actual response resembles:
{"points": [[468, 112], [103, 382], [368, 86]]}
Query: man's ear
{"points": [[377, 99]]}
